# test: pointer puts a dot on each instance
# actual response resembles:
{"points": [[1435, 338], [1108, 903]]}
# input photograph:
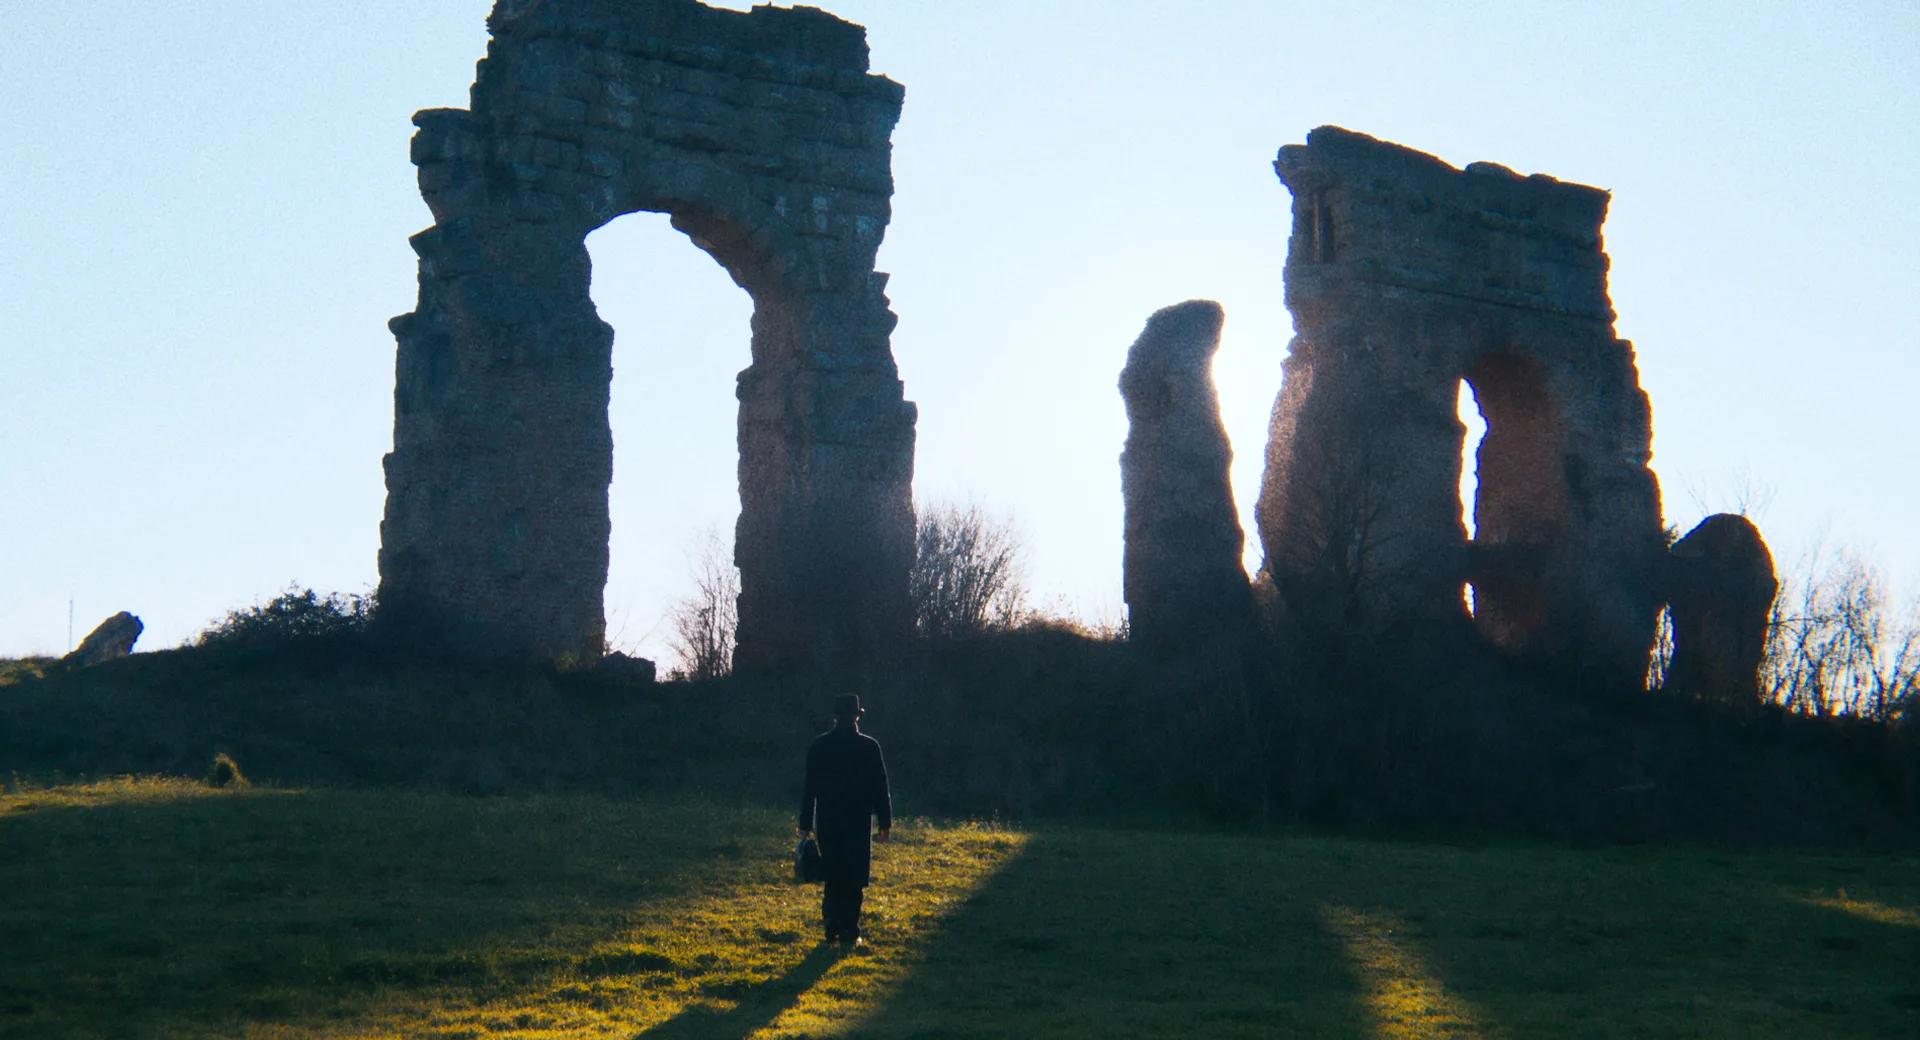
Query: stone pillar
{"points": [[1722, 587], [1183, 579], [495, 536]]}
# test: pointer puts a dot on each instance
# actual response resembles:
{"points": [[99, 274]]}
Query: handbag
{"points": [[807, 866]]}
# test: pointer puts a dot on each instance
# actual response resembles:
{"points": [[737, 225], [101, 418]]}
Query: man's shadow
{"points": [[758, 1007]]}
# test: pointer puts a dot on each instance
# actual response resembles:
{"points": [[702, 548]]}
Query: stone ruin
{"points": [[1720, 589], [110, 640], [767, 141], [1182, 576], [1405, 277]]}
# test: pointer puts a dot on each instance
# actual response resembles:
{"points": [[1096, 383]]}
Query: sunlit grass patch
{"points": [[163, 908], [741, 955], [27, 796], [20, 669], [1405, 998], [1867, 909], [930, 875]]}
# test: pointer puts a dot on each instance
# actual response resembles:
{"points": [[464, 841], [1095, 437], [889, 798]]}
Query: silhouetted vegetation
{"points": [[225, 772], [18, 669], [1362, 726], [294, 616], [1041, 720], [1832, 646], [705, 623], [967, 577]]}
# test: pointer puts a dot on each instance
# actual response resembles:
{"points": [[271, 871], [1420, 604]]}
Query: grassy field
{"points": [[151, 908]]}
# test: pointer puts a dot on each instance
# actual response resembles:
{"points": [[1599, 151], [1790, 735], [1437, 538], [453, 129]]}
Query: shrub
{"points": [[296, 614], [966, 576], [20, 669], [225, 772]]}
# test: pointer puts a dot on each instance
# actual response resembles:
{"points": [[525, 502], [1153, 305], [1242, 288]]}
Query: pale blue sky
{"points": [[204, 210]]}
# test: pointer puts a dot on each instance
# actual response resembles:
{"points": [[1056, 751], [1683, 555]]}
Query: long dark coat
{"points": [[846, 788]]}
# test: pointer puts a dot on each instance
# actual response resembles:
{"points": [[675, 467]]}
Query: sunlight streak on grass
{"points": [[737, 958], [1407, 1001], [911, 909], [1867, 909], [117, 790]]}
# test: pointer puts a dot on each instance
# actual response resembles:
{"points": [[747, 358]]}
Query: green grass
{"points": [[166, 909], [14, 670]]}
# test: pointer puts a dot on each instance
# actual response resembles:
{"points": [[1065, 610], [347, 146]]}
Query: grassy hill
{"points": [[442, 850], [1041, 722], [164, 908]]}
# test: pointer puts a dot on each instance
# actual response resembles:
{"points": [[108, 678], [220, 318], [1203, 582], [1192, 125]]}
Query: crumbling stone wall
{"points": [[1406, 276], [1183, 580], [1721, 590], [766, 140]]}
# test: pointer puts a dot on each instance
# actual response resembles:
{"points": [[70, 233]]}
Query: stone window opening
{"points": [[1322, 246], [1519, 495], [1467, 409]]}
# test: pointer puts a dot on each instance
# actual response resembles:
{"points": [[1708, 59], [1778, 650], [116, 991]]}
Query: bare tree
{"points": [[1338, 565], [705, 623], [1741, 492], [967, 577], [1831, 649]]}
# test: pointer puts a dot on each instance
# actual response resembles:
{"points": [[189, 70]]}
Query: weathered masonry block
{"points": [[1406, 276], [765, 138], [1721, 588], [1182, 576]]}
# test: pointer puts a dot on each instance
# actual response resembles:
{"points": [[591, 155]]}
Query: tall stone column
{"points": [[1183, 579], [495, 536]]}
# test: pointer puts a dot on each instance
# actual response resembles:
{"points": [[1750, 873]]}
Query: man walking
{"points": [[846, 788]]}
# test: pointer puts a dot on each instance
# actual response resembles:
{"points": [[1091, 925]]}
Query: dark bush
{"points": [[225, 772], [295, 615]]}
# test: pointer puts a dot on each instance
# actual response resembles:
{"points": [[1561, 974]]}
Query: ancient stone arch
{"points": [[767, 141], [1406, 276]]}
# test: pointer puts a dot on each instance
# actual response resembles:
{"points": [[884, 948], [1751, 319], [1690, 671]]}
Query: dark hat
{"points": [[847, 706]]}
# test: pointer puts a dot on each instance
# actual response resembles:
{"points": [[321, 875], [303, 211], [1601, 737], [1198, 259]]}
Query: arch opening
{"points": [[1519, 498], [681, 329], [1467, 409]]}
